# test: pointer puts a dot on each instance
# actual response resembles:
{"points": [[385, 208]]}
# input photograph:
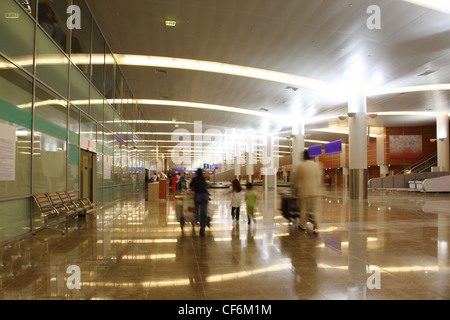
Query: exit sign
{"points": [[171, 23]]}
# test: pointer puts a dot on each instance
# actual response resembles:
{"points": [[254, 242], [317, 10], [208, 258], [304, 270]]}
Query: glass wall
{"points": [[54, 83]]}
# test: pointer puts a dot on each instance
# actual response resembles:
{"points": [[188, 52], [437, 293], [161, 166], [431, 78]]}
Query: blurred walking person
{"points": [[307, 182]]}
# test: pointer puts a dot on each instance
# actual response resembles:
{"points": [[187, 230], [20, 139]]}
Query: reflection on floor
{"points": [[393, 246]]}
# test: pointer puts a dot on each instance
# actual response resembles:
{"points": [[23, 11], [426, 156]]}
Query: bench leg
{"points": [[50, 228]]}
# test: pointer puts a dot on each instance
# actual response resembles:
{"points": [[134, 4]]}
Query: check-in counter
{"points": [[163, 189], [153, 191]]}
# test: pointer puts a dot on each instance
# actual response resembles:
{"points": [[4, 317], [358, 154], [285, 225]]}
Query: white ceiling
{"points": [[327, 40]]}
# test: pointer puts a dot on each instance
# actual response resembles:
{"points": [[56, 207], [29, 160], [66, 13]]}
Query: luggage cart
{"points": [[290, 208], [185, 210]]}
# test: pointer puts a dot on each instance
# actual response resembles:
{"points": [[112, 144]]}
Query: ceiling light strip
{"points": [[224, 68], [440, 5]]}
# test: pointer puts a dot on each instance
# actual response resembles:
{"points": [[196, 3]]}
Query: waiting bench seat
{"points": [[58, 204], [84, 203], [48, 211]]}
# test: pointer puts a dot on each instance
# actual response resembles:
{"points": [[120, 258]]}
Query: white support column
{"points": [[357, 124], [269, 172], [298, 142], [249, 159], [442, 141], [237, 167]]}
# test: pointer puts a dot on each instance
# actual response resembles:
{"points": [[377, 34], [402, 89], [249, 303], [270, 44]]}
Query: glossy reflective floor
{"points": [[393, 246]]}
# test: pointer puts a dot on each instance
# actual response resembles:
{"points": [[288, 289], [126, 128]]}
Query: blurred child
{"points": [[236, 199], [250, 197]]}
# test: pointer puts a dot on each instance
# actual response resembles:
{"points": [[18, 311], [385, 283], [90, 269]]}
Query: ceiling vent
{"points": [[426, 73]]}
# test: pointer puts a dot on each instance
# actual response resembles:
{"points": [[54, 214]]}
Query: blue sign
{"points": [[214, 167], [205, 166], [315, 151], [333, 147]]}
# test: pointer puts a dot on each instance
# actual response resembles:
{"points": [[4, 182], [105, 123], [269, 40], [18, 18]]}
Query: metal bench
{"points": [[48, 211], [84, 203]]}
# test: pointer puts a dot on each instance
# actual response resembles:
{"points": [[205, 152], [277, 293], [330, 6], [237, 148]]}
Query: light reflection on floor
{"points": [[136, 250]]}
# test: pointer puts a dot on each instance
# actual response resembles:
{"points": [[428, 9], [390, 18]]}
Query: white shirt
{"points": [[236, 199]]}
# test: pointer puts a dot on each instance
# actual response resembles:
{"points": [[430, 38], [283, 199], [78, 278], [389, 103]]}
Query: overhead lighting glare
{"points": [[440, 5], [432, 87], [217, 67]]}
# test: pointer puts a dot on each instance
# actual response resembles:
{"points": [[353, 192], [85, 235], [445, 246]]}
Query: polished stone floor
{"points": [[392, 246]]}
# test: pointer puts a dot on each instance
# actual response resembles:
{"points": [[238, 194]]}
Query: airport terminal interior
{"points": [[109, 109]]}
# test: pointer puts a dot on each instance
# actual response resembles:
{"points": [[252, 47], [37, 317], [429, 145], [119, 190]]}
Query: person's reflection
{"points": [[251, 249], [186, 258], [357, 249], [236, 244], [26, 5], [304, 263], [47, 17]]}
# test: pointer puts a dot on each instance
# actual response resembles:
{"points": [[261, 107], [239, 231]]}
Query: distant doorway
{"points": [[87, 177]]}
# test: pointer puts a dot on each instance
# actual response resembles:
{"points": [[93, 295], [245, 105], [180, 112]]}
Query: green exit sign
{"points": [[171, 23], [11, 15]]}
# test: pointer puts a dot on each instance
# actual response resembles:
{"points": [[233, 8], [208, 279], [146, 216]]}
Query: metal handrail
{"points": [[419, 163]]}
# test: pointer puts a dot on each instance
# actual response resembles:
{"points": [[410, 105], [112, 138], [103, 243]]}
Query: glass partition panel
{"points": [[117, 164], [73, 168], [110, 74], [50, 138], [17, 34], [74, 126], [108, 158], [52, 16], [51, 64], [81, 38], [98, 59], [88, 133], [79, 89], [118, 90], [15, 218], [100, 138], [96, 104], [15, 131], [109, 116]]}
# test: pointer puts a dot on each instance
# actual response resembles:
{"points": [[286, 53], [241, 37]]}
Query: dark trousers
{"points": [[235, 212], [201, 208]]}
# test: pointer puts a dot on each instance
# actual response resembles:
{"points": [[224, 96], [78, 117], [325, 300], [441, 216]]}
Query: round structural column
{"points": [[298, 142], [357, 124], [442, 141]]}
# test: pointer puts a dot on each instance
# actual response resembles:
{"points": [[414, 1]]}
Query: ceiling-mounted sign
{"points": [[7, 152]]}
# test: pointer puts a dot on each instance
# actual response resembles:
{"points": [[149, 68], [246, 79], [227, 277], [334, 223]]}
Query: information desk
{"points": [[153, 191], [163, 189]]}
